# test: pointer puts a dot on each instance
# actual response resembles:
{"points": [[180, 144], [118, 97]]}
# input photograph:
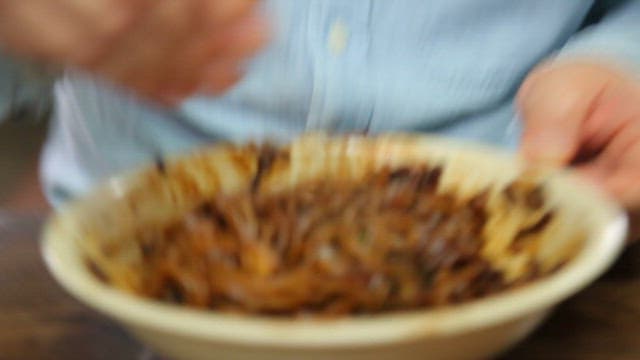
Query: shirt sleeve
{"points": [[614, 38], [25, 90]]}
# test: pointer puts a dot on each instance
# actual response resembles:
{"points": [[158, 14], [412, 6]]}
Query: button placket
{"points": [[318, 116], [348, 45], [341, 55], [338, 38]]}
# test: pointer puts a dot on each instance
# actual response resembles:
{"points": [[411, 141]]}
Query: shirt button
{"points": [[338, 37]]}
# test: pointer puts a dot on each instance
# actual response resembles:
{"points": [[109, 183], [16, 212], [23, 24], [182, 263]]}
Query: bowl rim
{"points": [[600, 250]]}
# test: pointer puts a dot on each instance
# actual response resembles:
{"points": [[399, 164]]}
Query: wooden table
{"points": [[40, 321]]}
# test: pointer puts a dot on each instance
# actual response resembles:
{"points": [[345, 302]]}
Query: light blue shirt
{"points": [[446, 66]]}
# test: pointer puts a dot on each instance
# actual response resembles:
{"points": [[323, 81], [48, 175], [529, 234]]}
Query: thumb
{"points": [[554, 104]]}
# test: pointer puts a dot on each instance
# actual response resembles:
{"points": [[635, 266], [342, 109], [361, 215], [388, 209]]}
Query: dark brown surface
{"points": [[39, 321], [19, 152]]}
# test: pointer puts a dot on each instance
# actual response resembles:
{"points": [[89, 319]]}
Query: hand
{"points": [[164, 50], [587, 115]]}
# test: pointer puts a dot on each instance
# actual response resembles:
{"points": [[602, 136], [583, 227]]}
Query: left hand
{"points": [[586, 114], [162, 50]]}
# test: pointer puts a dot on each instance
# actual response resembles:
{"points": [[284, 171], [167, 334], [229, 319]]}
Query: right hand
{"points": [[164, 50]]}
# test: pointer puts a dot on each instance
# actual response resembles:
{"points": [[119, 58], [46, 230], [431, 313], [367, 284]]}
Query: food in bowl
{"points": [[582, 235], [388, 241]]}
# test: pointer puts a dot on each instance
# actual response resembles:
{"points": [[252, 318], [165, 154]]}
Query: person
{"points": [[141, 78]]}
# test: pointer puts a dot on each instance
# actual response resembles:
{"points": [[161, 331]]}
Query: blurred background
{"points": [[20, 143]]}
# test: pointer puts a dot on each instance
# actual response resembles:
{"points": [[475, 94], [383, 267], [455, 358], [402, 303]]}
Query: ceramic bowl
{"points": [[102, 226]]}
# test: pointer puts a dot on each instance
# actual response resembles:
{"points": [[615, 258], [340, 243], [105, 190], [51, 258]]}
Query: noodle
{"points": [[392, 242]]}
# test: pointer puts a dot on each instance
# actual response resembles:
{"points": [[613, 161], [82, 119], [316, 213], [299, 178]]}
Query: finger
{"points": [[554, 107], [104, 16], [617, 168], [61, 41], [245, 37], [219, 77], [174, 93], [222, 12], [103, 23], [615, 108], [22, 31], [611, 128], [216, 83], [230, 46], [153, 60], [144, 58]]}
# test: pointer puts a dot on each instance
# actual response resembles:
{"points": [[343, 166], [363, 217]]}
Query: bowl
{"points": [[587, 236]]}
